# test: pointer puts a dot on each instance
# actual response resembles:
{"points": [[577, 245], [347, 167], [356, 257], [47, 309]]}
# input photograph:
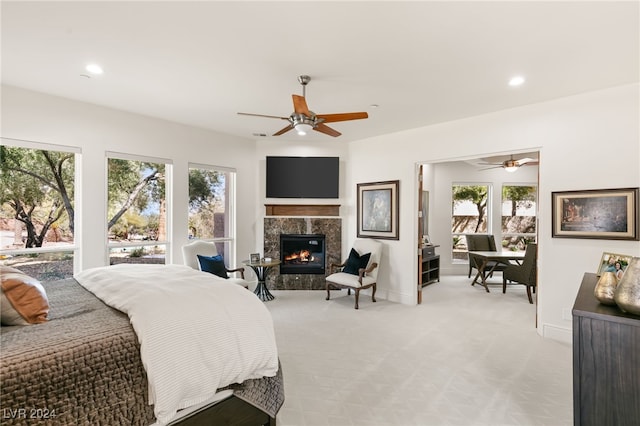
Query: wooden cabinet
{"points": [[606, 361], [430, 271]]}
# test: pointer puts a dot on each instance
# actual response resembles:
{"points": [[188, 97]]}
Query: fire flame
{"points": [[301, 256]]}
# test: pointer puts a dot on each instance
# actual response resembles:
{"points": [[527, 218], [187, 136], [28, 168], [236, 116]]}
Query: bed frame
{"points": [[231, 411]]}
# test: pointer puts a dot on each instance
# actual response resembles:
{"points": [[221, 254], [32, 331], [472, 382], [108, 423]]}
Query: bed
{"points": [[85, 366]]}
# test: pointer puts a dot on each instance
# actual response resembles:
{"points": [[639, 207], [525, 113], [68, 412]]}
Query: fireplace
{"points": [[302, 254]]}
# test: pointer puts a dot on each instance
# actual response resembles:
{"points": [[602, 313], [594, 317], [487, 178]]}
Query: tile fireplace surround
{"points": [[274, 226]]}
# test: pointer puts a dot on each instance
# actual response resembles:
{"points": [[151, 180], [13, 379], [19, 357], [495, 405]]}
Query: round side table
{"points": [[261, 268]]}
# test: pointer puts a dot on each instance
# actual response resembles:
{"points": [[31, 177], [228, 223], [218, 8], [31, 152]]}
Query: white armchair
{"points": [[190, 254], [357, 272]]}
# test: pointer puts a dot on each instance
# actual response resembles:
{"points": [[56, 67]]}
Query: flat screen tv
{"points": [[303, 177]]}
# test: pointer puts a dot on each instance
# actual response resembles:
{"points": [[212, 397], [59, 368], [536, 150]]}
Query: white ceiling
{"points": [[199, 63]]}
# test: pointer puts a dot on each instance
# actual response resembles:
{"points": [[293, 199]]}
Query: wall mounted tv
{"points": [[303, 177]]}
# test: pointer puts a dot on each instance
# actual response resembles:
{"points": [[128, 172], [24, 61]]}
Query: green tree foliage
{"points": [[477, 195], [132, 187], [519, 195], [37, 188], [37, 185], [206, 196]]}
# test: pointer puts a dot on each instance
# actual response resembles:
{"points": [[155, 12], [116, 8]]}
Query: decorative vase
{"points": [[606, 288], [627, 295]]}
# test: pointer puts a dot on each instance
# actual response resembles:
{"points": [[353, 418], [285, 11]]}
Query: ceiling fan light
{"points": [[511, 169], [303, 128]]}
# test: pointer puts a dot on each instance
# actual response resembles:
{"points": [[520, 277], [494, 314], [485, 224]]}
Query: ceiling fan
{"points": [[303, 120], [512, 165]]}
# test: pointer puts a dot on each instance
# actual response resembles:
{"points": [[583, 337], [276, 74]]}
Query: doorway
{"points": [[435, 201]]}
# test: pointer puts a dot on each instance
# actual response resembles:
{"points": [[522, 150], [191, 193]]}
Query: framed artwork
{"points": [[607, 214], [378, 210], [614, 262], [255, 258]]}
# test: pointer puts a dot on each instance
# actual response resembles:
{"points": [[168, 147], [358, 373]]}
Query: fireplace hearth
{"points": [[274, 226], [302, 254]]}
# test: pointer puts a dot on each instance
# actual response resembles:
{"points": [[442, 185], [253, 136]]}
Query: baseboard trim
{"points": [[561, 334]]}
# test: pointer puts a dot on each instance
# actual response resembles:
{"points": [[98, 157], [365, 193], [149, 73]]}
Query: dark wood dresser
{"points": [[606, 361]]}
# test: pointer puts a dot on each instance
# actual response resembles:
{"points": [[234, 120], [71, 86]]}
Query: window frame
{"points": [[488, 217], [230, 241], [73, 248], [533, 235], [168, 200]]}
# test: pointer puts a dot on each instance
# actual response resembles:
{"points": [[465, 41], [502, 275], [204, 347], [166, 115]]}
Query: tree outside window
{"points": [[37, 218], [210, 207], [470, 210], [136, 210], [519, 215]]}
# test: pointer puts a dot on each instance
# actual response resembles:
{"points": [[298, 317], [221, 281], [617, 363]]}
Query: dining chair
{"points": [[523, 274], [482, 242]]}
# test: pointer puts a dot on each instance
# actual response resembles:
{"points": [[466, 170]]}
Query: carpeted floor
{"points": [[463, 357]]}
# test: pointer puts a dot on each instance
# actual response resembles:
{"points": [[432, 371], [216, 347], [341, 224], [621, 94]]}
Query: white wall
{"points": [[588, 141], [327, 148], [41, 118]]}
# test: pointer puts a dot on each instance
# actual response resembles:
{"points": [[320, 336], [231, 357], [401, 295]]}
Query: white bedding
{"points": [[197, 332]]}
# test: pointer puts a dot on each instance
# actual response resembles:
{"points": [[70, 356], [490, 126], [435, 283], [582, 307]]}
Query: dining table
{"points": [[487, 261]]}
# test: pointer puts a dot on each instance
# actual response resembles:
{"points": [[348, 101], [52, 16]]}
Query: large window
{"points": [[37, 219], [137, 208], [470, 215], [519, 209], [211, 201]]}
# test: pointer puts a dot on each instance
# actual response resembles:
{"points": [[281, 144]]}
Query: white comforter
{"points": [[197, 332]]}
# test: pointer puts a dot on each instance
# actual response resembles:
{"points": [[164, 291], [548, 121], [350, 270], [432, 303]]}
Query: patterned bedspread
{"points": [[83, 367]]}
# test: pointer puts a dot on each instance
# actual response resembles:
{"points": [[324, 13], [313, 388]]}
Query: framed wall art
{"points": [[378, 210], [607, 214]]}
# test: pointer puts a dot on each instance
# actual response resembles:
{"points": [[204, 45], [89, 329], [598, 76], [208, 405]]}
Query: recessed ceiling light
{"points": [[94, 69], [516, 81]]}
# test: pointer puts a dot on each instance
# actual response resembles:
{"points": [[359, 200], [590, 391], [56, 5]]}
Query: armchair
{"points": [[359, 271], [523, 274], [482, 242], [191, 251]]}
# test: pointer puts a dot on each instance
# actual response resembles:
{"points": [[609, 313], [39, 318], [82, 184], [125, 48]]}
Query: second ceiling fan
{"points": [[303, 120], [511, 165]]}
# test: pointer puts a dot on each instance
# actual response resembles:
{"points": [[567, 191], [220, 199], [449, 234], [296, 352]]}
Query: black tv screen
{"points": [[303, 177]]}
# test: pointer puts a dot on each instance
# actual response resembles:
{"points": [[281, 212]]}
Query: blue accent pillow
{"points": [[214, 265], [355, 262]]}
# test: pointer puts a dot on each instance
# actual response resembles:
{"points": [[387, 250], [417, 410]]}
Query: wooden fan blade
{"points": [[282, 131], [332, 118], [262, 115], [300, 105], [326, 130]]}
